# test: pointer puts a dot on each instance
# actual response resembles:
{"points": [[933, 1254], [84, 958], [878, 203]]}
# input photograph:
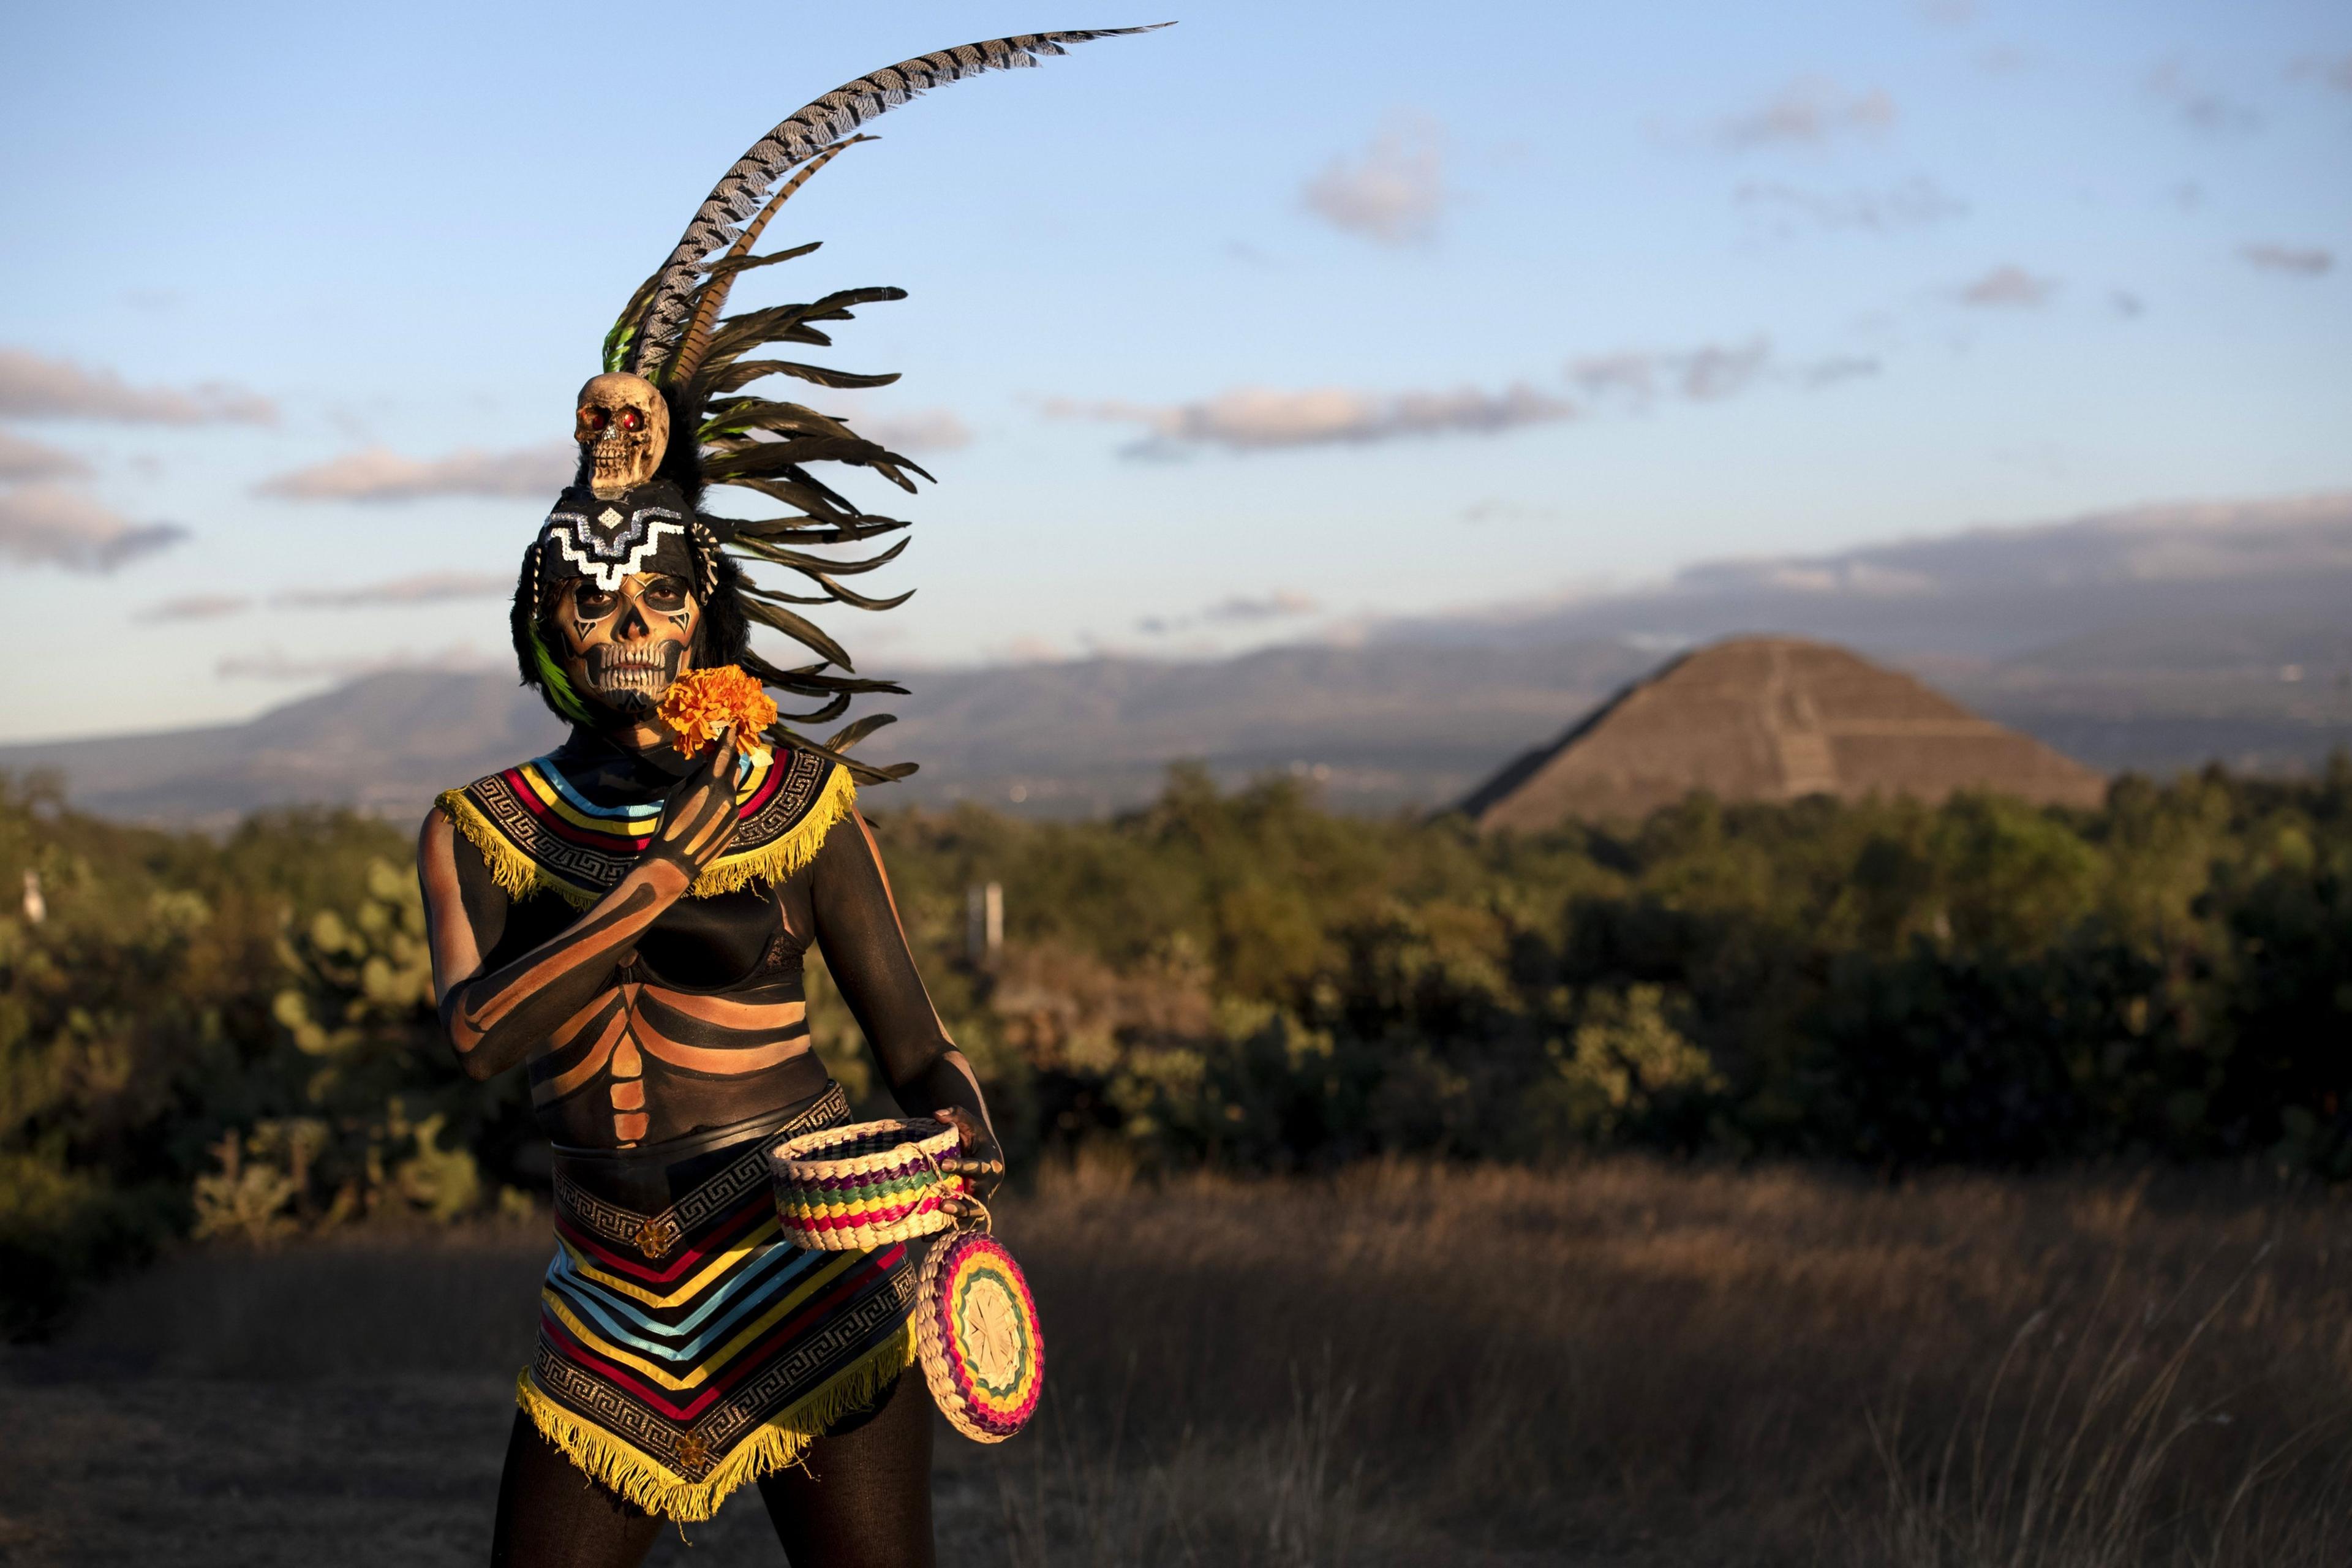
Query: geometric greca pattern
{"points": [[658, 1236], [582, 848], [681, 1336]]}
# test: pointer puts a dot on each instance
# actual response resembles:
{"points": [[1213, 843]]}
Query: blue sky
{"points": [[1258, 328]]}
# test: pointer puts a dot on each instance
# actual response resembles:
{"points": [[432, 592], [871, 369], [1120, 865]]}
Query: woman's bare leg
{"points": [[552, 1514], [863, 1499]]}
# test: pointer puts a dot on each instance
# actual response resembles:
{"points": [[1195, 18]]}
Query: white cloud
{"points": [[22, 460], [2198, 105], [1835, 368], [919, 430], [378, 474], [2212, 543], [426, 588], [34, 388], [2303, 260], [1264, 419], [430, 587], [1703, 375], [1810, 111], [1391, 192], [2008, 287], [1493, 509], [2335, 73], [1028, 648], [45, 525], [275, 664], [1239, 609], [1717, 371], [1856, 577], [198, 607], [1244, 608], [1916, 203]]}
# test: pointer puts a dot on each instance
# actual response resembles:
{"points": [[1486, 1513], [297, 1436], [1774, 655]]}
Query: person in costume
{"points": [[627, 919]]}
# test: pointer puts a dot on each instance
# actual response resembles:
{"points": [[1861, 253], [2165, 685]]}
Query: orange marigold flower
{"points": [[702, 703]]}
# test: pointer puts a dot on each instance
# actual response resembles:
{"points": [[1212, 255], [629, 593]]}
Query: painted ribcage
{"points": [[627, 1042]]}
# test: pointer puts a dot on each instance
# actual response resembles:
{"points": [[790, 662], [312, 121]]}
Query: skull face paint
{"points": [[621, 648], [623, 423]]}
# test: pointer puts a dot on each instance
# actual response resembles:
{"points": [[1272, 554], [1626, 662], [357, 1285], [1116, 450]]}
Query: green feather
{"points": [[558, 688]]}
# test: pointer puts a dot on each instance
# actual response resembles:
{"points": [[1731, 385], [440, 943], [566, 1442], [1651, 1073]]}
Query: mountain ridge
{"points": [[2153, 638]]}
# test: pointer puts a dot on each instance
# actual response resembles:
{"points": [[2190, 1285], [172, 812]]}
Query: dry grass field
{"points": [[1623, 1363]]}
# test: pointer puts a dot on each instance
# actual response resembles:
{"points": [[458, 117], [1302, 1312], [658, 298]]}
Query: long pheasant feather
{"points": [[801, 136], [712, 298]]}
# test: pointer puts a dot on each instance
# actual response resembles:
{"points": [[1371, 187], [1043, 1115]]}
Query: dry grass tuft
{"points": [[1636, 1362], [1629, 1363]]}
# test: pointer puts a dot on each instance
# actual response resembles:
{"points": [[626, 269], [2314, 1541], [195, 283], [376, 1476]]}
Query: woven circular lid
{"points": [[976, 1324]]}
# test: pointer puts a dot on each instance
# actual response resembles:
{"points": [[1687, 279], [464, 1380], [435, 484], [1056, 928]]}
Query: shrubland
{"points": [[234, 1036]]}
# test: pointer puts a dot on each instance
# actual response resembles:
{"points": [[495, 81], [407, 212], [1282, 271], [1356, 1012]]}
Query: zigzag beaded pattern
{"points": [[610, 557], [656, 1235], [708, 1440]]}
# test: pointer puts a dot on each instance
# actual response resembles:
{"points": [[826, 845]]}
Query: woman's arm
{"points": [[866, 952], [493, 1020]]}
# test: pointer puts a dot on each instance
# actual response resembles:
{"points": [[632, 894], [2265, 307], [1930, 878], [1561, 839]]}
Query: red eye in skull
{"points": [[632, 419], [591, 418]]}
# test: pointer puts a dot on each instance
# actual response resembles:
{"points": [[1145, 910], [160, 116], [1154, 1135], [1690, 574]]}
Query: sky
{"points": [[1279, 323]]}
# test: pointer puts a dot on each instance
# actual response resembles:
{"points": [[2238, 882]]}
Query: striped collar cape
{"points": [[555, 825]]}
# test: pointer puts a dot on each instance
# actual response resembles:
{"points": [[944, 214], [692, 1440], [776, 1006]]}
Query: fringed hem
{"points": [[780, 1442], [512, 869], [787, 853], [521, 876]]}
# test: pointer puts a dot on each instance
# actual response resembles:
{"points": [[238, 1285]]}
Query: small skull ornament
{"points": [[624, 423]]}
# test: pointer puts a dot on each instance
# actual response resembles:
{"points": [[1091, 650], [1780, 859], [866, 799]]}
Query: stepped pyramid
{"points": [[1772, 719]]}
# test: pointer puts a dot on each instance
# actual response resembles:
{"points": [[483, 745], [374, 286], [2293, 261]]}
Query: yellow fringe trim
{"points": [[512, 869], [775, 861], [521, 876], [780, 1442]]}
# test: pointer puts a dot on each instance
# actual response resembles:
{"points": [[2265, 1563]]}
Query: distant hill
{"points": [[386, 743], [1375, 727], [2154, 639]]}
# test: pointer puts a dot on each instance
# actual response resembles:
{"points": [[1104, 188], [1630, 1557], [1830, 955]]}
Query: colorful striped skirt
{"points": [[685, 1348]]}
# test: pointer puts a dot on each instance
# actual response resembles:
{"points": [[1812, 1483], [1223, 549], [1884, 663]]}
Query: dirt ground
{"points": [[1629, 1363], [233, 1408]]}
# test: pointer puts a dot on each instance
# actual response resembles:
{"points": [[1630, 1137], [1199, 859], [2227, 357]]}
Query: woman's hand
{"points": [[981, 1163], [700, 819]]}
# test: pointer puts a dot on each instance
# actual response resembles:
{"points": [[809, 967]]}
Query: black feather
{"points": [[800, 630], [743, 372]]}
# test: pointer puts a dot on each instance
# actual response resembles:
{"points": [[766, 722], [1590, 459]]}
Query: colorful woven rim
{"points": [[864, 1185], [976, 1325]]}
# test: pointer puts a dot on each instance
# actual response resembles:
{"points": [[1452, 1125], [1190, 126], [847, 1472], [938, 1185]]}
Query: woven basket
{"points": [[848, 1188], [976, 1327]]}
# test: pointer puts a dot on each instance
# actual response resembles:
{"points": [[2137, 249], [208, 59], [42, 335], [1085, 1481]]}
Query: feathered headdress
{"points": [[672, 333]]}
